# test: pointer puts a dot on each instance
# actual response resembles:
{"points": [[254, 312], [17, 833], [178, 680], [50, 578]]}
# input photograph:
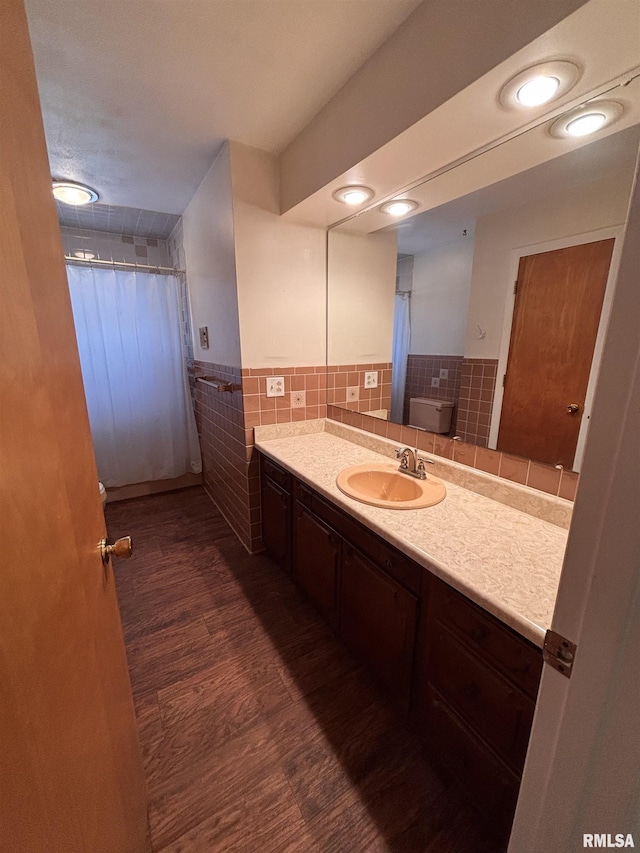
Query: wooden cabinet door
{"points": [[486, 780], [316, 561], [71, 774], [276, 523], [378, 621]]}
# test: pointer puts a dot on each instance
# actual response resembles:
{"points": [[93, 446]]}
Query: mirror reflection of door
{"points": [[557, 310]]}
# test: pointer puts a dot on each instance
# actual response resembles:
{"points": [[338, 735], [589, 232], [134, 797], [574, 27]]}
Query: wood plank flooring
{"points": [[259, 731]]}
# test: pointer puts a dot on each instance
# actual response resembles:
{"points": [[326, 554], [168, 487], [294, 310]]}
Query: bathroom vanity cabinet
{"points": [[466, 680], [476, 683]]}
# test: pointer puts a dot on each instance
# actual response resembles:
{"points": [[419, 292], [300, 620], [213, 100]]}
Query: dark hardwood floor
{"points": [[258, 729]]}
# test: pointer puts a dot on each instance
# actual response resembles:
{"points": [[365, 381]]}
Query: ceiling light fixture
{"points": [[353, 195], [539, 84], [538, 91], [71, 192], [399, 207], [586, 119]]}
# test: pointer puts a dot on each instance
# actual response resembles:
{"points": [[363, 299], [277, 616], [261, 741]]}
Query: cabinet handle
{"points": [[388, 564]]}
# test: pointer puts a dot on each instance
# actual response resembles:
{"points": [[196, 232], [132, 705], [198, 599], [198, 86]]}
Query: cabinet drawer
{"points": [[498, 711], [394, 563], [399, 567], [480, 773], [277, 474], [515, 657]]}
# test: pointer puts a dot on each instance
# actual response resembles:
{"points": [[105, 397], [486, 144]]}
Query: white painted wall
{"points": [[280, 267], [440, 298], [209, 254], [362, 284], [589, 207]]}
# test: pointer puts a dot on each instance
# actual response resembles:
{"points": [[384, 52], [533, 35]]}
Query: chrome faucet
{"points": [[410, 463]]}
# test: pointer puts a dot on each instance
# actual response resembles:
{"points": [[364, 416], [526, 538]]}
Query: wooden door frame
{"points": [[516, 255]]}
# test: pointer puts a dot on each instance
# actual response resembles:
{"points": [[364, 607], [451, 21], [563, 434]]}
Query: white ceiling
{"points": [[138, 95]]}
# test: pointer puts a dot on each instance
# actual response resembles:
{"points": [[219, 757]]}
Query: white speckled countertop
{"points": [[503, 559]]}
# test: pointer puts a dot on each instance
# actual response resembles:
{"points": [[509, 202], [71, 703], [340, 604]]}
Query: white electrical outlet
{"points": [[371, 379], [275, 386], [435, 382], [444, 373]]}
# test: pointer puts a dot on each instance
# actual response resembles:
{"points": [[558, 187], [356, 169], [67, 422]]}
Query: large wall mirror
{"points": [[481, 314]]}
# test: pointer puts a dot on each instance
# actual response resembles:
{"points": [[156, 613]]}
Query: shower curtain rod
{"points": [[92, 262]]}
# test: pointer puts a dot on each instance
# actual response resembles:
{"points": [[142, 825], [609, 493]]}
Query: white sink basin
{"points": [[385, 486]]}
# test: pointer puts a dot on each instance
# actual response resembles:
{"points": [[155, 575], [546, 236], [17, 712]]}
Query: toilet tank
{"points": [[432, 415]]}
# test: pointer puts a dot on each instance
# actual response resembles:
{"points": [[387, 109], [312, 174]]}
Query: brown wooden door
{"points": [[556, 315], [71, 774]]}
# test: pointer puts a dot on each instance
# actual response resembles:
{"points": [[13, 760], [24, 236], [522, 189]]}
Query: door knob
{"points": [[120, 548], [573, 408]]}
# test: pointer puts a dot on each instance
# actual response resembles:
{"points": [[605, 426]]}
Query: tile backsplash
{"points": [[546, 478], [305, 395], [346, 387]]}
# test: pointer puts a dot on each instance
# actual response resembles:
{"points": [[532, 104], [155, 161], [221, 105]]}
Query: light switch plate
{"points": [[435, 382], [275, 386], [371, 379], [444, 373], [204, 337]]}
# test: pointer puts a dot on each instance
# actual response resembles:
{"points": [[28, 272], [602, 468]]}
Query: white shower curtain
{"points": [[401, 343], [135, 381]]}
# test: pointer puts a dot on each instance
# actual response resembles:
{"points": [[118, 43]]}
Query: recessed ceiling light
{"points": [[353, 195], [539, 84], [586, 119], [71, 192], [586, 124], [85, 256], [399, 206], [538, 91]]}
